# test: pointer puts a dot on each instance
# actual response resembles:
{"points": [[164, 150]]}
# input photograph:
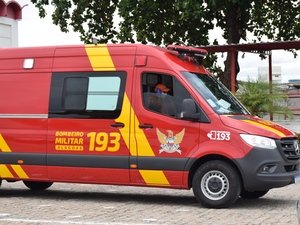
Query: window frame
{"points": [[149, 73], [56, 109], [203, 117]]}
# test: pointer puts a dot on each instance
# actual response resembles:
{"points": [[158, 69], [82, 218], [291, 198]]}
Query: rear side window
{"points": [[103, 93], [87, 94], [74, 93]]}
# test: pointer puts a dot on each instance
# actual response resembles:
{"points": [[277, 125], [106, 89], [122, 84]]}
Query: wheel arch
{"points": [[196, 164]]}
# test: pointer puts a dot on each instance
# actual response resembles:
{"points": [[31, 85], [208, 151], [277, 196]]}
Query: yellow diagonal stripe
{"points": [[99, 57], [137, 142], [4, 171], [125, 131], [134, 137], [3, 146], [154, 177], [144, 148], [266, 127], [19, 171], [133, 142]]}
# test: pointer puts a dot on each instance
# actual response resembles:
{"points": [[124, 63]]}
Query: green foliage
{"points": [[164, 22], [184, 22], [256, 97], [210, 61], [175, 21]]}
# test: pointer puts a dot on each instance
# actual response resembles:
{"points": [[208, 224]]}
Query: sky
{"points": [[34, 31]]}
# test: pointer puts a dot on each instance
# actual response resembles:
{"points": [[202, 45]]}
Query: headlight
{"points": [[259, 141]]}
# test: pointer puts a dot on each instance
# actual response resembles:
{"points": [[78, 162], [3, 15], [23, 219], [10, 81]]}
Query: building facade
{"points": [[263, 74], [10, 14]]}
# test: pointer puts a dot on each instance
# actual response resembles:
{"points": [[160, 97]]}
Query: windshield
{"points": [[221, 100]]}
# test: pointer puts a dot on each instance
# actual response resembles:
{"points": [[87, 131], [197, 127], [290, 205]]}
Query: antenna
{"points": [[95, 41]]}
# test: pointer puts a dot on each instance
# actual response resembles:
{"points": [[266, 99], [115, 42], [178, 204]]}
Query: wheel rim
{"points": [[214, 185]]}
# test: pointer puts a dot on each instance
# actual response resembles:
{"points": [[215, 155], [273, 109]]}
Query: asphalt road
{"points": [[119, 205]]}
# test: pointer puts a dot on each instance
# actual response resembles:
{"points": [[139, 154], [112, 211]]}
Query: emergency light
{"points": [[196, 53]]}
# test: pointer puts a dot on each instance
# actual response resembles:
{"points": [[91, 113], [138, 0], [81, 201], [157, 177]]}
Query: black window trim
{"points": [[56, 95]]}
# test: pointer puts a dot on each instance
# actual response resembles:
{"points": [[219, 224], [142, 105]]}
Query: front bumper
{"points": [[263, 169]]}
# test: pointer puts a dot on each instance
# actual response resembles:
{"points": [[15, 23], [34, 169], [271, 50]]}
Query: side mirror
{"points": [[189, 110]]}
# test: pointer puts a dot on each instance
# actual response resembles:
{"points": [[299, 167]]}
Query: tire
{"points": [[216, 184], [253, 194], [0, 182], [37, 186]]}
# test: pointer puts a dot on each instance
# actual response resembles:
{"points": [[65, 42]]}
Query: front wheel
{"points": [[37, 186], [253, 194], [216, 184]]}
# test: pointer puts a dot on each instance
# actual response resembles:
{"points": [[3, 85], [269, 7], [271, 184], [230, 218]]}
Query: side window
{"points": [[87, 95], [180, 93], [168, 100], [158, 93], [103, 93], [74, 93]]}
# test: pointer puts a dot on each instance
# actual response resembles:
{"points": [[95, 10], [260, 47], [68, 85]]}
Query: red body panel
{"points": [[89, 175], [25, 135], [27, 96], [81, 135], [71, 59]]}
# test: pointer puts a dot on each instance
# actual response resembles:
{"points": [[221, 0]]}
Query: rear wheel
{"points": [[34, 185], [253, 194], [216, 184]]}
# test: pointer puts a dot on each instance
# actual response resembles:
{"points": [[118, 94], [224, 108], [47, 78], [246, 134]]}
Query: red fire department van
{"points": [[131, 114]]}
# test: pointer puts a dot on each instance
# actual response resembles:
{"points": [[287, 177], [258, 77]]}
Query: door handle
{"points": [[146, 126], [118, 125]]}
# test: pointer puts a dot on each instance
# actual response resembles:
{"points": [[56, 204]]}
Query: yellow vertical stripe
{"points": [[4, 172], [3, 146], [99, 57], [19, 171], [154, 177], [134, 137], [266, 127]]}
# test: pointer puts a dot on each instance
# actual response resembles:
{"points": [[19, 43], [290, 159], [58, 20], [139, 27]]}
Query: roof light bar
{"points": [[189, 51]]}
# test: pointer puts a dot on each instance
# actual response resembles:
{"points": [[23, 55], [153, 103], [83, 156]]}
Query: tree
{"points": [[185, 22], [256, 97]]}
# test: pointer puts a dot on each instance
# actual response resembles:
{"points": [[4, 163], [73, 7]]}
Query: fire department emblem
{"points": [[170, 143]]}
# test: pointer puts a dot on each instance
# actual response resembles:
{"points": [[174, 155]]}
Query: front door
{"points": [[164, 140]]}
